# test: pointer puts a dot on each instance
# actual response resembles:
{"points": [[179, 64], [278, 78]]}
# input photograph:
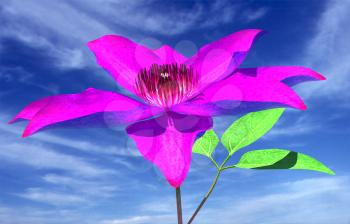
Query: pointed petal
{"points": [[168, 55], [217, 60], [29, 111], [167, 142], [65, 107], [122, 58], [249, 90], [290, 75]]}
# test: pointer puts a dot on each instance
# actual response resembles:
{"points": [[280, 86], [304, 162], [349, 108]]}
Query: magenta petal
{"points": [[167, 142], [290, 75], [122, 58], [29, 111], [168, 55], [65, 107], [242, 87], [249, 90], [217, 60]]}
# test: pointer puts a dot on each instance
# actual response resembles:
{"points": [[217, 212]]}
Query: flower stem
{"points": [[205, 197], [178, 205]]}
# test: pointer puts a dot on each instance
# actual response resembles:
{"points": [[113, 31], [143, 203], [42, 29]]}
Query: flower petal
{"points": [[122, 58], [54, 109], [167, 142], [249, 90], [290, 75], [29, 111], [168, 55], [217, 60]]}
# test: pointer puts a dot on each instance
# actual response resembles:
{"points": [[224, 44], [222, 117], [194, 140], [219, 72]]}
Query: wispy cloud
{"points": [[327, 52], [299, 126], [141, 220], [39, 155], [81, 186], [251, 15], [18, 75], [40, 195], [43, 158], [66, 178], [293, 202], [218, 13], [63, 28], [33, 215], [66, 182], [56, 27], [126, 149]]}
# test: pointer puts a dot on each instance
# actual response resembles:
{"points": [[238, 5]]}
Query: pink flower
{"points": [[177, 96]]}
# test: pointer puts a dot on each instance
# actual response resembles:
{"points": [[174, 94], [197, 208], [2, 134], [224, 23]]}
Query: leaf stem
{"points": [[178, 205], [220, 169], [228, 167], [225, 161], [205, 197], [211, 158]]}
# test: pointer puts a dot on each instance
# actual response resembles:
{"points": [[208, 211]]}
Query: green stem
{"points": [[205, 197], [217, 166], [225, 161], [178, 205], [220, 169], [228, 167]]}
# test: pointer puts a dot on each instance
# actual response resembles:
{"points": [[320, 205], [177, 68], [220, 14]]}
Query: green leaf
{"points": [[280, 159], [206, 144], [249, 128]]}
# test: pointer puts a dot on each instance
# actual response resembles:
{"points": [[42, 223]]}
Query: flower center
{"points": [[166, 85]]}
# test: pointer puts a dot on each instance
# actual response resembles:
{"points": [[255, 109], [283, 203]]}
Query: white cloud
{"points": [[166, 205], [41, 157], [83, 180], [14, 74], [82, 145], [59, 199], [142, 220], [81, 186], [328, 52], [170, 19], [56, 27], [253, 14], [33, 215], [220, 12], [18, 74], [314, 200], [62, 28], [299, 126]]}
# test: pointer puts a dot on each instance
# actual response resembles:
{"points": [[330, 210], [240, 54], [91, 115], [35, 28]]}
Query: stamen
{"points": [[166, 85]]}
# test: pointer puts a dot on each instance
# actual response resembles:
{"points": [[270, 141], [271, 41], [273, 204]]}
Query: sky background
{"points": [[97, 176]]}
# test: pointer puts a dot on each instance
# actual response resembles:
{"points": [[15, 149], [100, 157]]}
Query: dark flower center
{"points": [[166, 85]]}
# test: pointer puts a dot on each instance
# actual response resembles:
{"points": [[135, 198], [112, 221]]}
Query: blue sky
{"points": [[97, 176]]}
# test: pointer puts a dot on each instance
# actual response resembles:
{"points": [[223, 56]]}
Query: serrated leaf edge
{"points": [[236, 147]]}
